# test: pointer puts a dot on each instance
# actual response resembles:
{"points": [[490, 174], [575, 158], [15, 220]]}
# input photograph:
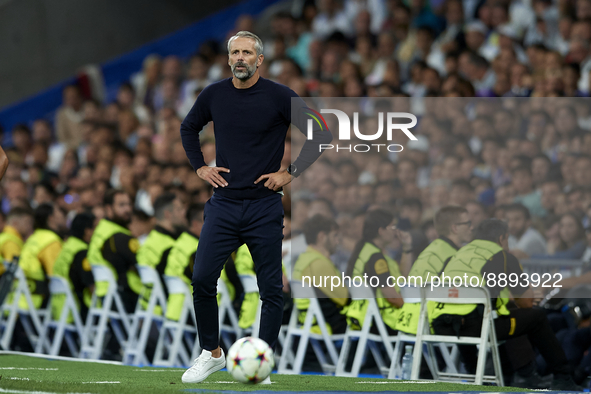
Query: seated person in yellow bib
{"points": [[180, 259], [454, 229], [18, 227], [487, 254], [72, 265], [40, 252], [113, 246], [312, 266], [369, 259], [169, 212]]}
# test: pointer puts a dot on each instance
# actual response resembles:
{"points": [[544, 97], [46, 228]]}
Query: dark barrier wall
{"points": [[46, 41], [182, 43]]}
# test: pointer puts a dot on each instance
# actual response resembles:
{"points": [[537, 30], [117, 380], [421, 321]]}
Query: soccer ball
{"points": [[250, 360]]}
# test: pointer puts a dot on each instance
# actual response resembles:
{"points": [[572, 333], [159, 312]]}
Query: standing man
{"points": [[251, 116], [3, 163]]}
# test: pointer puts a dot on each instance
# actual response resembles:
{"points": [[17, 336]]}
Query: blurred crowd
{"points": [[498, 88], [535, 154]]}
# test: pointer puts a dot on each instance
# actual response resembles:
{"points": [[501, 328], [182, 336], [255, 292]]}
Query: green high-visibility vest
{"points": [[150, 254], [178, 259], [6, 236], [32, 266], [103, 231], [9, 234], [469, 261], [427, 265], [358, 308], [302, 304], [61, 268]]}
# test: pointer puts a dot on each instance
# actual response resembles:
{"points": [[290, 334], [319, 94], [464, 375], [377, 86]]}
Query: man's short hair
{"points": [[258, 44], [491, 230], [463, 184], [42, 214], [519, 208], [81, 222], [412, 203], [19, 212], [317, 224], [163, 203], [521, 168], [110, 195], [447, 217]]}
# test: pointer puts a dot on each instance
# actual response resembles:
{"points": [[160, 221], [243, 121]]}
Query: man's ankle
{"points": [[216, 353]]}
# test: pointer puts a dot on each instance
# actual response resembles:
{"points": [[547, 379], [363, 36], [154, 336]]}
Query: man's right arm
{"points": [[194, 122]]}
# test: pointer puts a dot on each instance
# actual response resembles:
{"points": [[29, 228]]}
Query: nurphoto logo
{"points": [[344, 132]]}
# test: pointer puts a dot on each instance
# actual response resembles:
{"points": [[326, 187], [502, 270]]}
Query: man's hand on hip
{"points": [[275, 180], [211, 175]]}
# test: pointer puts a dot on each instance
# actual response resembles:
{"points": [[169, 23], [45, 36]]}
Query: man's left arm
{"points": [[310, 151]]}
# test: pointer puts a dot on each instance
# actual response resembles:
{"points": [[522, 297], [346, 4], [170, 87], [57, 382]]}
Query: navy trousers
{"points": [[227, 225]]}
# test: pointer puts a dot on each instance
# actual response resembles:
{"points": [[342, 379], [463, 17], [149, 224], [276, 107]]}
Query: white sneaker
{"points": [[267, 380], [204, 366]]}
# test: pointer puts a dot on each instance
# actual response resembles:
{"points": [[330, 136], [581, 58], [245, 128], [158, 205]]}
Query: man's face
{"points": [[122, 208], [24, 225], [522, 182], [332, 241], [476, 214], [463, 228], [178, 213], [57, 220], [517, 223], [243, 58], [550, 192]]}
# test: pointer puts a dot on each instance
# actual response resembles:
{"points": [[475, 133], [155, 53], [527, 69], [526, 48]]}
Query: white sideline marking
{"points": [[31, 392], [61, 358], [18, 378], [401, 381], [28, 369], [221, 382], [158, 370], [97, 382]]}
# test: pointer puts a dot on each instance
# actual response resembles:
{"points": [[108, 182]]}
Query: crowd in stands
{"points": [[498, 86]]}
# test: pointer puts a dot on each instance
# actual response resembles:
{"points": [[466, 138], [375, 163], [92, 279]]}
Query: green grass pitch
{"points": [[22, 374]]}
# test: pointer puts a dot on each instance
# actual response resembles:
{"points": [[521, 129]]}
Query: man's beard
{"points": [[246, 74], [120, 220]]}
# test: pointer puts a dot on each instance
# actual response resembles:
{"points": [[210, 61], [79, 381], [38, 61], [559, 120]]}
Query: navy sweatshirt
{"points": [[250, 127]]}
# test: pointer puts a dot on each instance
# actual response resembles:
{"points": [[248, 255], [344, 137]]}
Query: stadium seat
{"points": [[31, 318], [365, 339], [412, 294], [104, 311], [313, 316], [72, 332], [486, 341], [178, 338], [229, 328], [144, 316]]}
